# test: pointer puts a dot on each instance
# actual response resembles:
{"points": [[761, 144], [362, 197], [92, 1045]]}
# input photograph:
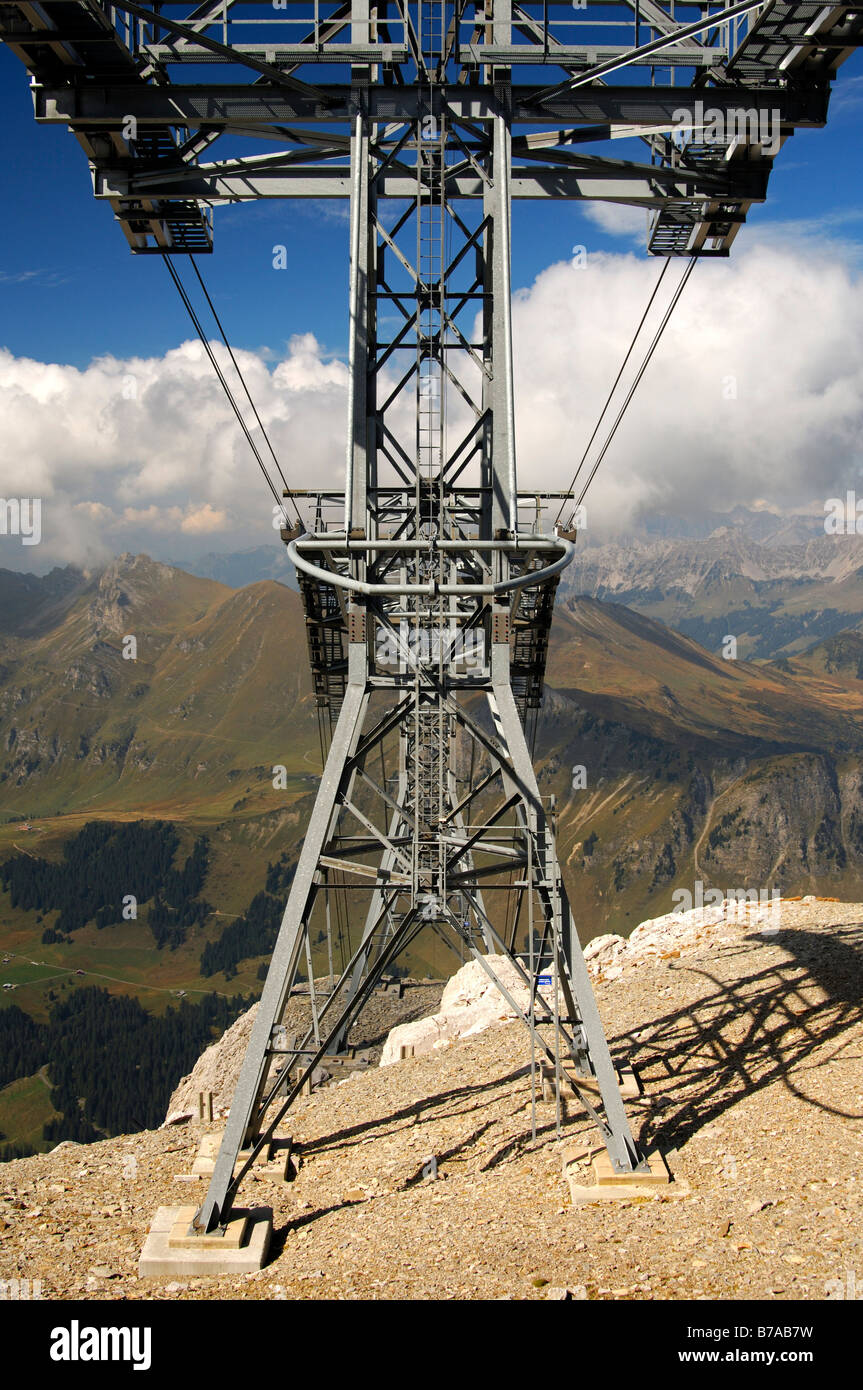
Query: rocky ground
{"points": [[748, 1046]]}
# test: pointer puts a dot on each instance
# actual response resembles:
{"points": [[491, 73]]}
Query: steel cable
{"points": [[640, 373], [617, 379], [181, 290]]}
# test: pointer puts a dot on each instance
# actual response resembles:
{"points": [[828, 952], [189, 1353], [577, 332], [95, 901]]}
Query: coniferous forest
{"points": [[124, 1061], [22, 1044], [104, 866], [111, 1064], [253, 934]]}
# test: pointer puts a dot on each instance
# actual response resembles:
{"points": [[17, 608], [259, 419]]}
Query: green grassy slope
{"points": [[673, 739]]}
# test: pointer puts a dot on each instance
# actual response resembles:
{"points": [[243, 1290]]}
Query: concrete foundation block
{"points": [[170, 1249], [657, 1174], [627, 1081], [205, 1160], [630, 1086], [610, 1186], [271, 1162]]}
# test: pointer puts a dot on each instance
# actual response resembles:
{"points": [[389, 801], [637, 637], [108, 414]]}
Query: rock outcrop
{"points": [[680, 933], [471, 1002], [216, 1070]]}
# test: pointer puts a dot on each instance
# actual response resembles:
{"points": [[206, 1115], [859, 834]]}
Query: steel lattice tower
{"points": [[428, 582]]}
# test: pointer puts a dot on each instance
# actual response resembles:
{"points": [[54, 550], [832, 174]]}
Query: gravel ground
{"points": [[750, 1057]]}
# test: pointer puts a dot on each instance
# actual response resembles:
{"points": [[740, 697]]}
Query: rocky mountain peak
{"points": [[129, 584]]}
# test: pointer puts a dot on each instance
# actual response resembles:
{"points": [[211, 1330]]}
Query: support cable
{"points": [[601, 415], [640, 373], [241, 377], [221, 376]]}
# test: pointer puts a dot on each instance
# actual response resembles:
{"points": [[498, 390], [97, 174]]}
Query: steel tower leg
{"points": [[379, 913], [286, 956], [616, 1132]]}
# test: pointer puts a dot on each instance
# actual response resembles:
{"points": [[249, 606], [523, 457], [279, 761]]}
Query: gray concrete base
{"points": [[609, 1186], [170, 1249], [273, 1161]]}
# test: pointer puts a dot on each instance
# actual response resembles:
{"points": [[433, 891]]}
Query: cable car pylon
{"points": [[428, 579], [428, 587]]}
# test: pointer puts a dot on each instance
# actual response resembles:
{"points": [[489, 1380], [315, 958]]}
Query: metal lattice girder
{"points": [[136, 87], [810, 39], [428, 585], [513, 855]]}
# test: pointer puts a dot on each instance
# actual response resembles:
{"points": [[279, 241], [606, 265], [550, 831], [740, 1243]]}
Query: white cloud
{"points": [[203, 521], [145, 454], [618, 219], [781, 326], [48, 279]]}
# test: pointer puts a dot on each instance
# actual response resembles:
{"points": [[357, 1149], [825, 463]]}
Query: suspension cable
{"points": [[239, 372], [616, 381], [681, 285], [640, 373], [181, 290]]}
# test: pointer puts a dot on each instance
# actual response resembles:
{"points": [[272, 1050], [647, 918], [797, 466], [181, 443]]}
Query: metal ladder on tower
{"points": [[429, 738]]}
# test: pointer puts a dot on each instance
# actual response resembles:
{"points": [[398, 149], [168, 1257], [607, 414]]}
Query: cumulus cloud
{"points": [[755, 396], [755, 392], [203, 520], [618, 219], [142, 453]]}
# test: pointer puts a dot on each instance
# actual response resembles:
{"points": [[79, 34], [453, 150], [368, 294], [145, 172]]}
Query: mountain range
{"points": [[142, 693], [217, 696], [777, 583], [776, 598]]}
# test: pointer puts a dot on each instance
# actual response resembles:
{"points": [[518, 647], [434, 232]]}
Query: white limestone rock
{"points": [[471, 1002]]}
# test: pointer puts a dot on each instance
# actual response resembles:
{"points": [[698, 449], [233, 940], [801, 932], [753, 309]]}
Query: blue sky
{"points": [[70, 290]]}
